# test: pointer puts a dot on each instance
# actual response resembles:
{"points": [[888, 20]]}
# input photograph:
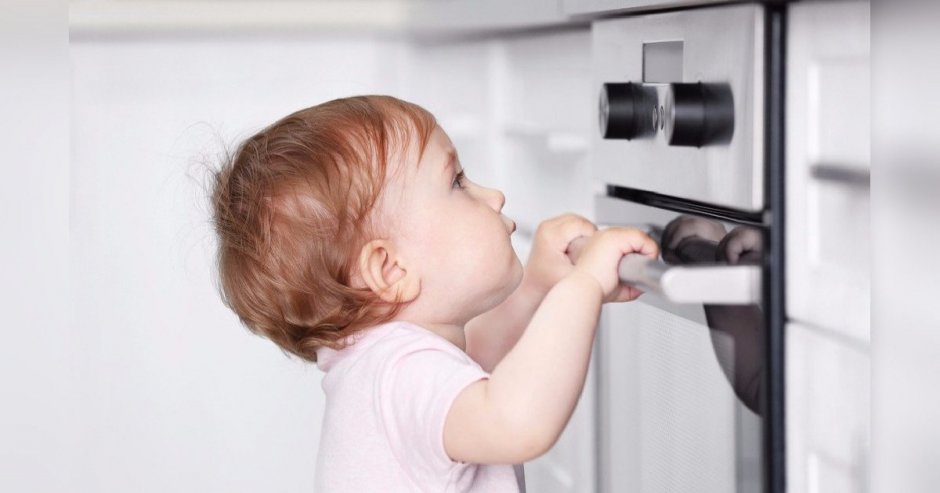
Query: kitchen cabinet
{"points": [[449, 18], [483, 15], [828, 412], [828, 166], [827, 247], [545, 121]]}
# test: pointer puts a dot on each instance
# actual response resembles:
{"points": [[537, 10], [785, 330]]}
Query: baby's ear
{"points": [[385, 272]]}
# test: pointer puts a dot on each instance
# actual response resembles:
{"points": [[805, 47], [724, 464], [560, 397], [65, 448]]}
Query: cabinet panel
{"points": [[828, 161], [543, 116], [828, 412]]}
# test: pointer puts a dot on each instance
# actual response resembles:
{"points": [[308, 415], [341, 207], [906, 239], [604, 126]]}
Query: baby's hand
{"points": [[547, 263], [600, 258]]}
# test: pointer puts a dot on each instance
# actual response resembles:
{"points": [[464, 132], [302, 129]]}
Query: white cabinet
{"points": [[544, 112], [828, 162], [520, 111], [828, 412], [454, 16], [827, 247]]}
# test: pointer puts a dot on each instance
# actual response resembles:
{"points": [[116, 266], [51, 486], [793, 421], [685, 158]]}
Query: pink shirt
{"points": [[387, 396]]}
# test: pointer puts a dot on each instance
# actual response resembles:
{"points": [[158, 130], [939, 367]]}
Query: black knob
{"points": [[618, 110], [699, 114]]}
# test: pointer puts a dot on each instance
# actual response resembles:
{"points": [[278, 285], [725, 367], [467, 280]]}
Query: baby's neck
{"points": [[451, 332]]}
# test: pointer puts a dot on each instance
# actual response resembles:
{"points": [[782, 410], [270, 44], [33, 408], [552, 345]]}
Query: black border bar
{"points": [[775, 27], [688, 206]]}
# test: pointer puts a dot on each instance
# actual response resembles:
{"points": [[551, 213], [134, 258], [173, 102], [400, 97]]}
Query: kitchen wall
{"points": [[175, 395]]}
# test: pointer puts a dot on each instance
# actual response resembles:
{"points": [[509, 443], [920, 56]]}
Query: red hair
{"points": [[292, 209]]}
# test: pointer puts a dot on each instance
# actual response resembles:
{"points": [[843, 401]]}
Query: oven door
{"points": [[681, 368]]}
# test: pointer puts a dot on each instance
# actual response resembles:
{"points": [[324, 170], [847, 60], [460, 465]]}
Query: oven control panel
{"points": [[687, 114], [680, 104]]}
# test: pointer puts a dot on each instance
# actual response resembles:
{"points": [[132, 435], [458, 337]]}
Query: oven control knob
{"points": [[618, 108], [699, 114]]}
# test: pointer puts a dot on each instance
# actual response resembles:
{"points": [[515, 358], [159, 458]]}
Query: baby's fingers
{"points": [[559, 231], [625, 292], [636, 241]]}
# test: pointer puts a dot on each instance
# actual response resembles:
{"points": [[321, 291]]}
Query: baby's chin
{"points": [[498, 290], [515, 280], [504, 290], [518, 269]]}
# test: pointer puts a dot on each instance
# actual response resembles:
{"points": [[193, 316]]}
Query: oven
{"points": [[690, 376]]}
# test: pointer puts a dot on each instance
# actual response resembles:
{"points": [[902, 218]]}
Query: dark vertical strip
{"points": [[774, 292]]}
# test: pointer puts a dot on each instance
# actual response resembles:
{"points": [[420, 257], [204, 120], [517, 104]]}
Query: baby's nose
{"points": [[500, 200]]}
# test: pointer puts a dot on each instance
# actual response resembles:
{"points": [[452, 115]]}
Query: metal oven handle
{"points": [[719, 284]]}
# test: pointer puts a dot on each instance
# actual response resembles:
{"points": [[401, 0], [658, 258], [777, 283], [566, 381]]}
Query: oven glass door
{"points": [[681, 368]]}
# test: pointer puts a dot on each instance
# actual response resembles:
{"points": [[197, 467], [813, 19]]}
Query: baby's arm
{"points": [[520, 411], [492, 334]]}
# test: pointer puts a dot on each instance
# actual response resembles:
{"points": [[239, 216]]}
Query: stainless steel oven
{"points": [[689, 375]]}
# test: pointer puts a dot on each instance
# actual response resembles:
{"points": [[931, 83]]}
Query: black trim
{"points": [[773, 289], [688, 206]]}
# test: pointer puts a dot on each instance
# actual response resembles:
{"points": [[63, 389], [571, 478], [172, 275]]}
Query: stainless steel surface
{"points": [[728, 285], [679, 372], [723, 46]]}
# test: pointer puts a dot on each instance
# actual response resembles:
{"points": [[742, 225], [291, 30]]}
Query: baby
{"points": [[351, 236]]}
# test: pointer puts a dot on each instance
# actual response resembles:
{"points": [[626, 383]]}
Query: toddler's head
{"points": [[352, 213]]}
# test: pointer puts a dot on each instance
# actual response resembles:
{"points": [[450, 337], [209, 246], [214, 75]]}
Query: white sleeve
{"points": [[415, 396]]}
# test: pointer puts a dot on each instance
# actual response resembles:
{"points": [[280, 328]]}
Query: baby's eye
{"points": [[458, 180]]}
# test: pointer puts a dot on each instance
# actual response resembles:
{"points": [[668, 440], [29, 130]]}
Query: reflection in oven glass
{"points": [[736, 330]]}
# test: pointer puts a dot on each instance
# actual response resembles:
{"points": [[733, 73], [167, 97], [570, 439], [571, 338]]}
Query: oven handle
{"points": [[709, 285]]}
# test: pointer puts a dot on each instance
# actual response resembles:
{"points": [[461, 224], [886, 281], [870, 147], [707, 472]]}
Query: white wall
{"points": [[175, 394], [37, 428]]}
